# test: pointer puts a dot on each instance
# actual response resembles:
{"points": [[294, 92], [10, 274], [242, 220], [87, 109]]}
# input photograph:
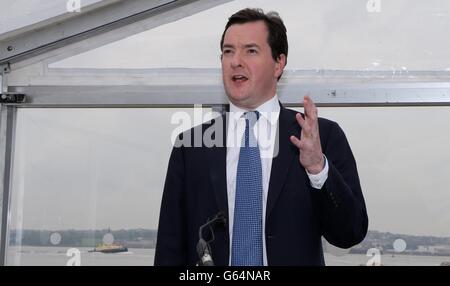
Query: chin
{"points": [[238, 99], [235, 95]]}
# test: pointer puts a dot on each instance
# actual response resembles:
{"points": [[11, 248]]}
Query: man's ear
{"points": [[279, 65]]}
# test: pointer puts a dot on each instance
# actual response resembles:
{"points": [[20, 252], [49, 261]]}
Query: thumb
{"points": [[297, 142]]}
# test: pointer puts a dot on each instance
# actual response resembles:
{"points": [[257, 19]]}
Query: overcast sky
{"points": [[95, 168]]}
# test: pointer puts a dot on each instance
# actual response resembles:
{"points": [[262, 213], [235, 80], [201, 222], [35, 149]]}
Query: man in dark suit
{"points": [[280, 195]]}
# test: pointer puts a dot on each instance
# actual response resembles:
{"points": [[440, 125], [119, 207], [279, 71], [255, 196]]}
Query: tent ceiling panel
{"points": [[19, 16], [94, 23], [324, 34]]}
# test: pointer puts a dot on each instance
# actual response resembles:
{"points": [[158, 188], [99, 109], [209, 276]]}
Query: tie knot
{"points": [[252, 117]]}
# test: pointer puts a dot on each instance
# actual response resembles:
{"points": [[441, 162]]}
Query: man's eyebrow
{"points": [[227, 46], [251, 45]]}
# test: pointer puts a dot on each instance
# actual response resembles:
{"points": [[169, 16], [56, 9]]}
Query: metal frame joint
{"points": [[5, 68]]}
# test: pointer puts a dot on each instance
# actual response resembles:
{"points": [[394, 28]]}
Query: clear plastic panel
{"points": [[402, 158], [373, 35], [87, 177], [21, 13], [80, 170]]}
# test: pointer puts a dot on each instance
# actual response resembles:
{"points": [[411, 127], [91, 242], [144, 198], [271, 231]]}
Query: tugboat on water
{"points": [[110, 248]]}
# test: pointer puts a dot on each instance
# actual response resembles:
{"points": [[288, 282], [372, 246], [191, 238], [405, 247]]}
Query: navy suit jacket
{"points": [[297, 215]]}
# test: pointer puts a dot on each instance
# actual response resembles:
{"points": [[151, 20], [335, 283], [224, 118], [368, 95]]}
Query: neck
{"points": [[252, 106]]}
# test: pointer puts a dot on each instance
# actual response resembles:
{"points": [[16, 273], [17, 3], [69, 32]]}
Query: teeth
{"points": [[237, 77]]}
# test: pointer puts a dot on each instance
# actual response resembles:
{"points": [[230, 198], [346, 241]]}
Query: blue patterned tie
{"points": [[247, 248]]}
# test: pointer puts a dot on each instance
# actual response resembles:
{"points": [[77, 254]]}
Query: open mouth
{"points": [[239, 78]]}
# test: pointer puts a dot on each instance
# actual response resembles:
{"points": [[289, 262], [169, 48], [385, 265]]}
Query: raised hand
{"points": [[311, 156]]}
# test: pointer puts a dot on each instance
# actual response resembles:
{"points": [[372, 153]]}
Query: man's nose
{"points": [[236, 60]]}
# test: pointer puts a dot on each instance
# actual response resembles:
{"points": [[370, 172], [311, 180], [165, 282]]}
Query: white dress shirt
{"points": [[265, 132]]}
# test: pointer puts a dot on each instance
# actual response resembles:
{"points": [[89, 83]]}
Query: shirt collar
{"points": [[270, 110]]}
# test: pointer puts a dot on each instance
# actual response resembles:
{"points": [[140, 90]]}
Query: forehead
{"points": [[248, 32]]}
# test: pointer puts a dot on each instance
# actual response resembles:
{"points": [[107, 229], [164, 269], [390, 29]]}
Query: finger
{"points": [[300, 120], [306, 129], [296, 141], [310, 107]]}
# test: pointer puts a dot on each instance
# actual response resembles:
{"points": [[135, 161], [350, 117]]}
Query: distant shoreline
{"points": [[146, 239]]}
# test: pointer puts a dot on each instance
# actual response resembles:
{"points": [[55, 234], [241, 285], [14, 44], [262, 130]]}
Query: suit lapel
{"points": [[217, 170], [281, 163]]}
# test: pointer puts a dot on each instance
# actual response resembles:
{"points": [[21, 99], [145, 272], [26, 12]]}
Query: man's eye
{"points": [[227, 52], [252, 51]]}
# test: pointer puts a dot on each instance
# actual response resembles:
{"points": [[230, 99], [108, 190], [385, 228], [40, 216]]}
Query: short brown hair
{"points": [[277, 39]]}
